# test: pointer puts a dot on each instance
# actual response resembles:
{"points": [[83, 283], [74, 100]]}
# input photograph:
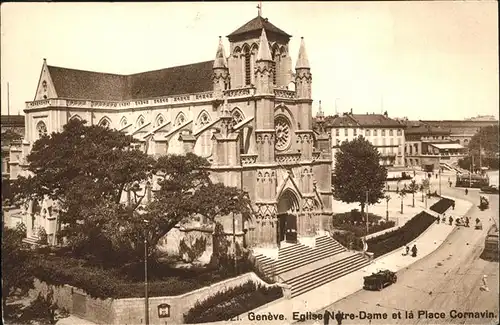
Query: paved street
{"points": [[446, 280]]}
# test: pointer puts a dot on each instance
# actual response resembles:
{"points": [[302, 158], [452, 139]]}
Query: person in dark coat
{"points": [[450, 220], [407, 250], [338, 317], [414, 251], [466, 191], [326, 317]]}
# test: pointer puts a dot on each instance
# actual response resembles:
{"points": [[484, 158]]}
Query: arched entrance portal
{"points": [[288, 208]]}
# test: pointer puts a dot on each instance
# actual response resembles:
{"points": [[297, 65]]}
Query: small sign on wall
{"points": [[163, 310]]}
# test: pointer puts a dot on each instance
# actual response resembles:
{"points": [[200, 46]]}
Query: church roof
{"points": [[80, 84], [257, 24]]}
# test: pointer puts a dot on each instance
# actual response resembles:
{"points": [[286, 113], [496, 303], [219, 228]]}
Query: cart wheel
{"points": [[395, 279]]}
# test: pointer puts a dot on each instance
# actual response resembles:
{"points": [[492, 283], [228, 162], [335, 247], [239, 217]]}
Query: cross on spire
{"points": [[259, 9]]}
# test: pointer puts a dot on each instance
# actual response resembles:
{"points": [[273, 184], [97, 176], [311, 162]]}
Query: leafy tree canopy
{"points": [[487, 139], [357, 170], [87, 168]]}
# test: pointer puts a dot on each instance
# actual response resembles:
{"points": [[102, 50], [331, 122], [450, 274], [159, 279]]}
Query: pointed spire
{"points": [[264, 53], [302, 61], [320, 110], [220, 56]]}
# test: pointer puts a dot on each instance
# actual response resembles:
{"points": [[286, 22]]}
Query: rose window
{"points": [[282, 127]]}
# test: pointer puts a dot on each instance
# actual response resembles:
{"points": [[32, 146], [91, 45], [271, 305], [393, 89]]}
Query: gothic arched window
{"points": [[180, 119], [203, 119], [159, 120], [248, 71], [123, 122], [41, 128], [105, 122], [237, 116], [140, 121]]}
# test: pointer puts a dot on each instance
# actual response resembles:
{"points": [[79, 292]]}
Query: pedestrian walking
{"points": [[326, 317], [466, 191], [453, 205], [450, 220], [407, 250], [414, 251], [339, 317], [484, 286], [467, 221]]}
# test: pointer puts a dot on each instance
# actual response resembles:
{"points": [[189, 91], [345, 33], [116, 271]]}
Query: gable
{"points": [[45, 88]]}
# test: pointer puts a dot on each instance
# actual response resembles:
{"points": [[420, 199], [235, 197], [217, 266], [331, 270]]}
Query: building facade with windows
{"points": [[386, 134], [431, 146], [12, 135], [248, 113]]}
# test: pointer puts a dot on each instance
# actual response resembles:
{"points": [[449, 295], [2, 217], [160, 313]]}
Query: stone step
{"points": [[316, 278], [288, 265]]}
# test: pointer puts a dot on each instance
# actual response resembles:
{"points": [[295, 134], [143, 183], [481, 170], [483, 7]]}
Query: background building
{"points": [[12, 128], [462, 130], [427, 146], [386, 134]]}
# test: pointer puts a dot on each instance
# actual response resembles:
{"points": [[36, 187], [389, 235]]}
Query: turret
{"points": [[264, 67], [221, 78], [303, 76]]}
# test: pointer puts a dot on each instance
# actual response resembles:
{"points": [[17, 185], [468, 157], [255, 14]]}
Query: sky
{"points": [[421, 60]]}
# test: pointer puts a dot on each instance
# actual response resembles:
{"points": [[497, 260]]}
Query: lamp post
{"points": [[146, 297], [235, 198], [367, 213]]}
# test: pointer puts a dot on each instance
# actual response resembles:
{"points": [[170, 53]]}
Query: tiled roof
{"points": [[185, 79], [361, 120], [426, 130], [12, 120], [79, 84], [257, 24], [375, 120]]}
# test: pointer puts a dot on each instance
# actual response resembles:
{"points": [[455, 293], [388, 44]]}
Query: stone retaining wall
{"points": [[130, 311]]}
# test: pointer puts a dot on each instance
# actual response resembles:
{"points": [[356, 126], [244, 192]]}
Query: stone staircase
{"points": [[31, 240], [327, 273], [306, 268]]}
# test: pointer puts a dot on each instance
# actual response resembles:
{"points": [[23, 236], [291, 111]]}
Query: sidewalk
{"points": [[73, 320], [329, 293]]}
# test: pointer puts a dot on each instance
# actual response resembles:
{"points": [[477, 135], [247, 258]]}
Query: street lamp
{"points": [[146, 297]]}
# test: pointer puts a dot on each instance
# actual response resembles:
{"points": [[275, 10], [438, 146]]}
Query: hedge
{"points": [[100, 282], [442, 205], [393, 240], [225, 305], [354, 223]]}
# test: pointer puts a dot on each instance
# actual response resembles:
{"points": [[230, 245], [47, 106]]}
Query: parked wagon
{"points": [[483, 203]]}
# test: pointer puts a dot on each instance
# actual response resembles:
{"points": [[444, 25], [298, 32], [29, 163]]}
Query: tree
{"points": [[185, 191], [483, 147], [82, 168], [357, 171], [412, 188], [16, 267]]}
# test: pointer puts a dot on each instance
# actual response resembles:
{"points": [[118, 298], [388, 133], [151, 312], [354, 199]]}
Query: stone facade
{"points": [[247, 113]]}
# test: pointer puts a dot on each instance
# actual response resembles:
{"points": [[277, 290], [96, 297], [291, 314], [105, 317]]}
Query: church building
{"points": [[249, 113]]}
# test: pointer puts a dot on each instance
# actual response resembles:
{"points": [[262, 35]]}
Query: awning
{"points": [[447, 145]]}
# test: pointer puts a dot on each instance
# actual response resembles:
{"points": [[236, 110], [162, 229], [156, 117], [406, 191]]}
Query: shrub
{"points": [[21, 228], [442, 205], [392, 240], [42, 236], [230, 303], [354, 222], [192, 252], [348, 239], [127, 281]]}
